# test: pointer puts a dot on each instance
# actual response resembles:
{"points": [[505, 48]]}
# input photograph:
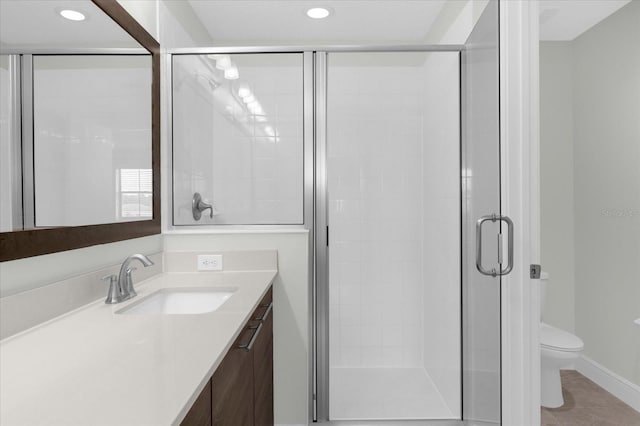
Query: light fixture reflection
{"points": [[223, 62], [231, 73], [244, 91]]}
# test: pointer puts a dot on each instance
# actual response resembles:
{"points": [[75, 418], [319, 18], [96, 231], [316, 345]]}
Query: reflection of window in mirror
{"points": [[135, 194], [91, 118]]}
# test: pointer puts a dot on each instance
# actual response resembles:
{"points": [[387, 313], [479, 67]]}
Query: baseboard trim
{"points": [[616, 385]]}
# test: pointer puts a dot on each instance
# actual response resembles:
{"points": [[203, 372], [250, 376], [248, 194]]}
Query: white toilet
{"points": [[558, 350]]}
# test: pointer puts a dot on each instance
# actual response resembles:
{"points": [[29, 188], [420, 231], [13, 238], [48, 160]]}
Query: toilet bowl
{"points": [[558, 350]]}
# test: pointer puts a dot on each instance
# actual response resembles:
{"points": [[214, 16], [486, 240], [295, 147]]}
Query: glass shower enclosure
{"points": [[391, 158]]}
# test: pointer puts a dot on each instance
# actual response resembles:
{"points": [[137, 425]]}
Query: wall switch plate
{"points": [[209, 262]]}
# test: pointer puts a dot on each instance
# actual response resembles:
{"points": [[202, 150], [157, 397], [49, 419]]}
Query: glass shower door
{"points": [[481, 350]]}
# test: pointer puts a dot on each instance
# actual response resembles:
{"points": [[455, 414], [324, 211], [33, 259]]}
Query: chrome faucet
{"points": [[121, 286], [125, 282]]}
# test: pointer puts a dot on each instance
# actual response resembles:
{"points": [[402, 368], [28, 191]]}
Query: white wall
{"points": [[180, 26], [605, 146], [607, 189], [291, 309], [146, 12], [557, 182], [25, 274]]}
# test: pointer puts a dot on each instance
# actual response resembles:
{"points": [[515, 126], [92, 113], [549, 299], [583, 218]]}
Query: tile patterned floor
{"points": [[587, 404]]}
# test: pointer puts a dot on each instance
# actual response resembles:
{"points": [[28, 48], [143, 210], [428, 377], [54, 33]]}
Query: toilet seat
{"points": [[559, 340]]}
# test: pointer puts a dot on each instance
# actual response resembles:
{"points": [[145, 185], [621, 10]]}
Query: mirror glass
{"points": [[75, 118]]}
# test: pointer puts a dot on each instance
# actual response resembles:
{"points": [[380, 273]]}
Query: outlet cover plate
{"points": [[209, 262]]}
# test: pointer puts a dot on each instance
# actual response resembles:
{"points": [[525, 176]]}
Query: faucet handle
{"points": [[111, 278], [114, 295], [198, 206]]}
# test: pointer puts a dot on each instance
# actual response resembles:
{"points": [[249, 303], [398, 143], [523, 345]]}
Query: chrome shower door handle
{"points": [[494, 272]]}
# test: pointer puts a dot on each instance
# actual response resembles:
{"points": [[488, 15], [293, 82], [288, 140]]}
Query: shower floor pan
{"points": [[385, 394]]}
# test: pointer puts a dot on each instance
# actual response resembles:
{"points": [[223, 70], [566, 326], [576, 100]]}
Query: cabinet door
{"points": [[232, 386], [200, 412], [263, 371]]}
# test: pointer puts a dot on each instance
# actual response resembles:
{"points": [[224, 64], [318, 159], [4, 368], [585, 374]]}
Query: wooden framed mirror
{"points": [[38, 239]]}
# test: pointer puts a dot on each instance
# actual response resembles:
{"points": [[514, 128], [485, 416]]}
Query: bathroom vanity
{"points": [[109, 364], [241, 390]]}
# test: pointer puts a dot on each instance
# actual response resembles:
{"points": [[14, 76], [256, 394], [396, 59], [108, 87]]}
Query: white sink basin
{"points": [[180, 301]]}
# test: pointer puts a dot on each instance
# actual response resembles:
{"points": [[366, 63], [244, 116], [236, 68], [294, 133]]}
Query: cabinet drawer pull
{"points": [[266, 312], [247, 347]]}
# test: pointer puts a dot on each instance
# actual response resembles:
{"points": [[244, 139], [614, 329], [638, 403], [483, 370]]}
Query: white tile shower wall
{"points": [[382, 198], [192, 167], [249, 176]]}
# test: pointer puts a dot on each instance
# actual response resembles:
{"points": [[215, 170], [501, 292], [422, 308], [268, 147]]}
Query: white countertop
{"points": [[94, 367]]}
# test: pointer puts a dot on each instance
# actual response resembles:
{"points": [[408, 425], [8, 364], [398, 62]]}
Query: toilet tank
{"points": [[544, 281]]}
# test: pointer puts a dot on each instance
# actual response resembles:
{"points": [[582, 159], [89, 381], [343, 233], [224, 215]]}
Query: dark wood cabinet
{"points": [[232, 385], [240, 393], [200, 412]]}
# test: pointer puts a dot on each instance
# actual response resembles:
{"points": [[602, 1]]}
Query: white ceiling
{"points": [[36, 24], [564, 20], [278, 22], [283, 22]]}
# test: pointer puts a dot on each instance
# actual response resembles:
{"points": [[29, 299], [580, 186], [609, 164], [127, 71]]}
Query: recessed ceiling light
{"points": [[317, 13], [72, 15]]}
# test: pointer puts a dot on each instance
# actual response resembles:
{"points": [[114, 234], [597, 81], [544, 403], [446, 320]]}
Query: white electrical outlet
{"points": [[209, 262]]}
